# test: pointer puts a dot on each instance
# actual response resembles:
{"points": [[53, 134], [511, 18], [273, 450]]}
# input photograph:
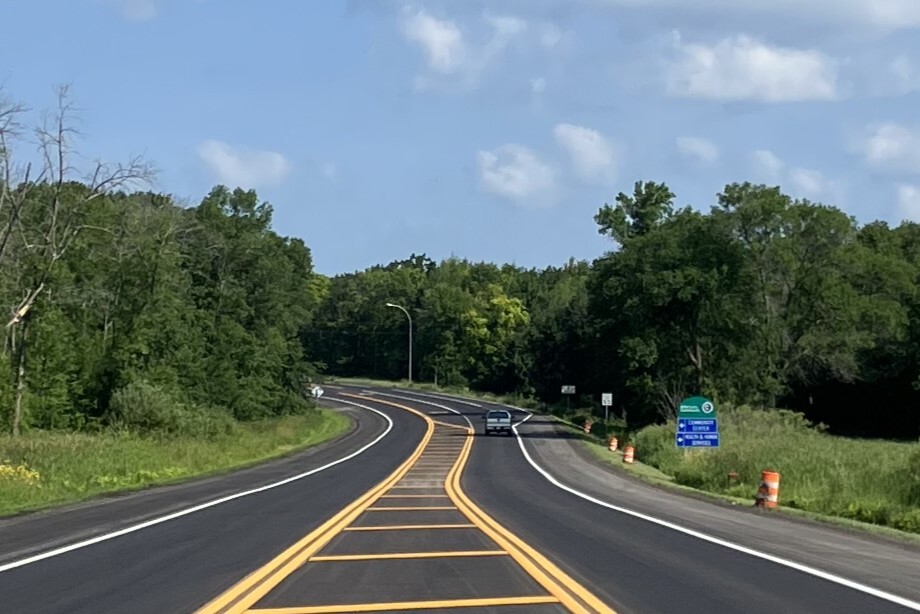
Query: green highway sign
{"points": [[696, 407]]}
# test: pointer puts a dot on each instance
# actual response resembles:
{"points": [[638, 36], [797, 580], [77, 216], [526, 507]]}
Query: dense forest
{"points": [[124, 303]]}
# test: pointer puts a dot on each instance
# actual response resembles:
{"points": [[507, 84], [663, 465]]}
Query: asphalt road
{"points": [[638, 566], [428, 515], [178, 565]]}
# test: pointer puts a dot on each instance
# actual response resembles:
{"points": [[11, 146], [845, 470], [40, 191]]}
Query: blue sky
{"points": [[488, 130]]}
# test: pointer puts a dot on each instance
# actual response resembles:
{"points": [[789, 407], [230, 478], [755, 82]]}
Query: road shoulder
{"points": [[865, 558], [26, 534]]}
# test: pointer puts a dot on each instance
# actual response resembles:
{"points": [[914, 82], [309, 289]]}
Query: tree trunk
{"points": [[20, 376]]}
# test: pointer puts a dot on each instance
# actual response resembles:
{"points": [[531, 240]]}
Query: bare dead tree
{"points": [[53, 208]]}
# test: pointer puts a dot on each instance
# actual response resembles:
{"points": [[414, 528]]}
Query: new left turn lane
{"points": [[177, 565]]}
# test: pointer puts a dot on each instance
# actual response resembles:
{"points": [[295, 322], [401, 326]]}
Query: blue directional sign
{"points": [[692, 425], [697, 440], [697, 424]]}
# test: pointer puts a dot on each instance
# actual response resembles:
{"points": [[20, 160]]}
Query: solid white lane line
{"points": [[185, 512], [858, 586], [913, 605]]}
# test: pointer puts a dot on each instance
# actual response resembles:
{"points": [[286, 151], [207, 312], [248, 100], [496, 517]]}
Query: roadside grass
{"points": [[652, 475], [870, 485], [42, 469]]}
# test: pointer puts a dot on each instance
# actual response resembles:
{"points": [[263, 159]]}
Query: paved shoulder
{"points": [[879, 563]]}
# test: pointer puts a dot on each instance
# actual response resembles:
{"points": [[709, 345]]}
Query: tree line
{"points": [[763, 300], [126, 308], [123, 303]]}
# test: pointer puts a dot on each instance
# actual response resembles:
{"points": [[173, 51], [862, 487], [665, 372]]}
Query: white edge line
{"points": [[913, 605], [155, 521]]}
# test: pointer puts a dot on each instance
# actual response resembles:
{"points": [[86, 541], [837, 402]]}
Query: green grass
{"points": [[42, 469], [861, 484], [652, 475]]}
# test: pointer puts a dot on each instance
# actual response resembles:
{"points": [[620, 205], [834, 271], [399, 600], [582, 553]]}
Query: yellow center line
{"points": [[256, 585], [408, 527], [561, 588], [408, 605], [406, 555]]}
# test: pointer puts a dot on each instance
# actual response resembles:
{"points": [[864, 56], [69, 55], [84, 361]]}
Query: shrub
{"points": [[147, 409]]}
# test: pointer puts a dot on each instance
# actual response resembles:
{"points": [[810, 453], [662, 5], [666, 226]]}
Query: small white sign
{"points": [[607, 399], [317, 392], [568, 390]]}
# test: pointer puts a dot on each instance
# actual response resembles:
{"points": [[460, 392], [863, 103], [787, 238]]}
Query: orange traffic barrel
{"points": [[612, 444], [768, 493], [628, 454]]}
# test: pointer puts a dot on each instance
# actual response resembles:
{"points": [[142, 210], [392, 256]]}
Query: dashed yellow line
{"points": [[407, 555], [409, 605]]}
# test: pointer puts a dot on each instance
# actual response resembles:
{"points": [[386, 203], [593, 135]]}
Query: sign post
{"points": [[697, 424], [568, 391], [606, 401]]}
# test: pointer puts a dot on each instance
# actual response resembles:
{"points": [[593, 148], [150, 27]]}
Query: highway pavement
{"points": [[431, 516]]}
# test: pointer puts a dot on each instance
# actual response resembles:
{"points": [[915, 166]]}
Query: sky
{"points": [[485, 130]]}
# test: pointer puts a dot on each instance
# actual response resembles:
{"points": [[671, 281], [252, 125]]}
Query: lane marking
{"points": [[257, 584], [413, 496], [539, 567], [818, 573], [407, 555], [408, 527], [409, 605], [411, 508], [536, 565], [440, 397], [203, 506], [896, 599]]}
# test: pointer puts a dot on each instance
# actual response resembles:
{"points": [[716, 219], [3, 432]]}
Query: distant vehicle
{"points": [[497, 420]]}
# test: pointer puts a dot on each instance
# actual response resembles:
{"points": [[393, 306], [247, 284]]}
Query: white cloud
{"points": [[767, 164], [697, 148], [441, 40], [515, 172], [893, 147], [592, 154], [909, 202], [742, 68], [885, 14], [538, 85], [242, 167], [451, 53], [135, 10]]}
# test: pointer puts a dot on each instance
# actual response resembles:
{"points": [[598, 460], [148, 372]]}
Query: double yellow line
{"points": [[563, 589], [259, 583]]}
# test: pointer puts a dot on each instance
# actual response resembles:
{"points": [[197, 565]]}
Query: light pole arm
{"points": [[408, 317]]}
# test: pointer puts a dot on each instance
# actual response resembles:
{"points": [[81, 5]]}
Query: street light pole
{"points": [[405, 311]]}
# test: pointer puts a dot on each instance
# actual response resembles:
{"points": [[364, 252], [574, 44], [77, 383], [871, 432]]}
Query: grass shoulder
{"points": [[43, 469]]}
